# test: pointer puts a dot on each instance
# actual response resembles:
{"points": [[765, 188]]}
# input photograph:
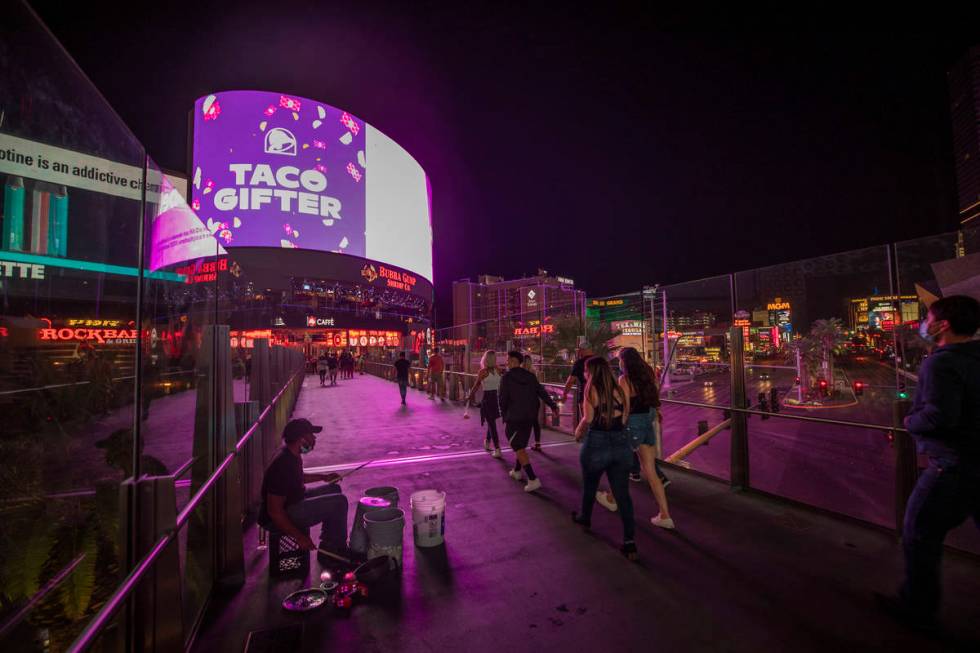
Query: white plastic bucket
{"points": [[428, 517]]}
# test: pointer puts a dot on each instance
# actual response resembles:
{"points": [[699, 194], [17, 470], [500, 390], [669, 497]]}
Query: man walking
{"points": [[945, 422], [332, 364], [402, 366], [437, 376], [520, 392]]}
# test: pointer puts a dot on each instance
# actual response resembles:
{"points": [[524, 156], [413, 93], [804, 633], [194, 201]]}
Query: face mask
{"points": [[924, 333], [304, 449]]}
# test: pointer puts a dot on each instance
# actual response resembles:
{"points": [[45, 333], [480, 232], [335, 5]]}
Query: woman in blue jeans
{"points": [[606, 448], [639, 382]]}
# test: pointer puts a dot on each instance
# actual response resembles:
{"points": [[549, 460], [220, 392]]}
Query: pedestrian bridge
{"points": [[744, 571]]}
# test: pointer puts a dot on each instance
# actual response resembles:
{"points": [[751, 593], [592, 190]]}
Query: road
{"points": [[842, 468]]}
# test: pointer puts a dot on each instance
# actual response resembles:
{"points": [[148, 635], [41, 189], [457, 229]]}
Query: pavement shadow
{"points": [[433, 567]]}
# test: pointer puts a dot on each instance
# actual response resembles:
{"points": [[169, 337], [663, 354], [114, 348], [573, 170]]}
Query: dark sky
{"points": [[617, 147]]}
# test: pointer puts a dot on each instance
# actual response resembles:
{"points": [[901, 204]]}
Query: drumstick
{"points": [[335, 556], [361, 466]]}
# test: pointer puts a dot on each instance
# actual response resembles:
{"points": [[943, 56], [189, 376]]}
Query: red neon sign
{"points": [[533, 331], [102, 336]]}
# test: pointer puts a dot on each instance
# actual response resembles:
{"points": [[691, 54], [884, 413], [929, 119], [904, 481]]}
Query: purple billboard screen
{"points": [[274, 170]]}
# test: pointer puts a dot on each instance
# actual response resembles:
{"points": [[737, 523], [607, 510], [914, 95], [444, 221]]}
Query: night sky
{"points": [[615, 147]]}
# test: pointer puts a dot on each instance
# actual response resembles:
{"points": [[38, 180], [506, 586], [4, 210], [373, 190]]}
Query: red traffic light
{"points": [[823, 384]]}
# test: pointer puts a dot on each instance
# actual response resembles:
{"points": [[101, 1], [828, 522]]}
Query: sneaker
{"points": [[532, 485], [604, 501], [537, 446], [486, 445], [516, 475], [496, 453], [665, 481], [635, 477], [662, 523]]}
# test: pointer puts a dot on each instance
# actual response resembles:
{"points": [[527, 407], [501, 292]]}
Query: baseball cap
{"points": [[297, 428]]}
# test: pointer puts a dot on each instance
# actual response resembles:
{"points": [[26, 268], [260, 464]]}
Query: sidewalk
{"points": [[741, 573]]}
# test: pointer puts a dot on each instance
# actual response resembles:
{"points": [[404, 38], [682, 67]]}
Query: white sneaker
{"points": [[496, 453], [517, 476], [662, 523], [532, 485], [604, 501]]}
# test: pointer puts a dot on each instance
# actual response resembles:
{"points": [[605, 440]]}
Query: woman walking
{"points": [[639, 382], [528, 364], [606, 448], [489, 380]]}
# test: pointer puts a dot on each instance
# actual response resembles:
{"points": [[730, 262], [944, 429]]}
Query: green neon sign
{"points": [[89, 266]]}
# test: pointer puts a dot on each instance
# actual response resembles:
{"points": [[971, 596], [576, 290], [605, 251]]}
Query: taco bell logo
{"points": [[280, 141]]}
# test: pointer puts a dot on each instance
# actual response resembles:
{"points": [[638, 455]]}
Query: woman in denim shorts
{"points": [[639, 383]]}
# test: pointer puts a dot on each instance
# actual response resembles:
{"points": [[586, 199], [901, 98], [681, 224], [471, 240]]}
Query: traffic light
{"points": [[902, 394], [823, 388], [858, 388], [763, 404], [774, 400]]}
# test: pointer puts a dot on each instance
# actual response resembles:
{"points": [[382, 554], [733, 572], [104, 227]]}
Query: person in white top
{"points": [[488, 379]]}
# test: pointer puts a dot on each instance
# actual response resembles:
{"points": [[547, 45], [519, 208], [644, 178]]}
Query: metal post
{"points": [[230, 568], [154, 620], [740, 440], [666, 374], [906, 463]]}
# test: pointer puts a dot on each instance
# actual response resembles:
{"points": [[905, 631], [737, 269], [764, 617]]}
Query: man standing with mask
{"points": [[288, 507], [945, 422]]}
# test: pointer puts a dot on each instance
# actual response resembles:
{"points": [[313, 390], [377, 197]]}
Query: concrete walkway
{"points": [[741, 573]]}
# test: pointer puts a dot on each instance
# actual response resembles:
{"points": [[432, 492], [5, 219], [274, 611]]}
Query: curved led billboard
{"points": [[274, 170]]}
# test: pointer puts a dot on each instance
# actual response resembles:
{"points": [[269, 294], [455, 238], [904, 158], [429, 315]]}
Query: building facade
{"points": [[494, 313]]}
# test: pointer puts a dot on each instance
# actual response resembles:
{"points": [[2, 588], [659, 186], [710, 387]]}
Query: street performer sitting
{"points": [[289, 508]]}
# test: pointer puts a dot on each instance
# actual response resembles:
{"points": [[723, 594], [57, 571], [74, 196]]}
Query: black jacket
{"points": [[519, 394], [945, 415]]}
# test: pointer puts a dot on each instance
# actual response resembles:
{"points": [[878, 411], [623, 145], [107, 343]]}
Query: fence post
{"points": [[906, 462], [155, 620], [230, 568], [740, 437], [246, 412]]}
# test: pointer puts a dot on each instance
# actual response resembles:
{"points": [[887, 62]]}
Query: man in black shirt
{"points": [[945, 422], [520, 394], [402, 366], [287, 507]]}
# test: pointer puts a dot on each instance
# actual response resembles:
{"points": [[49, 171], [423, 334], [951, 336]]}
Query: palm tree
{"points": [[598, 336], [828, 336]]}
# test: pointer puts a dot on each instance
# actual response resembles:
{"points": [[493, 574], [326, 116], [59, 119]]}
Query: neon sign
{"points": [[778, 305], [534, 331], [373, 338], [203, 271], [314, 321], [102, 336], [396, 279]]}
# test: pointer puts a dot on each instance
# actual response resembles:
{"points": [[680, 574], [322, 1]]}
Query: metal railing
{"points": [[129, 584]]}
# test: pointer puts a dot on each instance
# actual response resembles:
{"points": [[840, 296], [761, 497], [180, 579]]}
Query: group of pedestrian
{"points": [[346, 365], [326, 364], [516, 396]]}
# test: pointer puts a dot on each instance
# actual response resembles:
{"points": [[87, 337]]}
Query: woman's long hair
{"points": [[607, 391], [640, 375], [489, 361]]}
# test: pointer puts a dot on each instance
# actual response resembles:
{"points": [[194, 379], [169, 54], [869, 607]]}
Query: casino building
{"points": [[326, 220]]}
